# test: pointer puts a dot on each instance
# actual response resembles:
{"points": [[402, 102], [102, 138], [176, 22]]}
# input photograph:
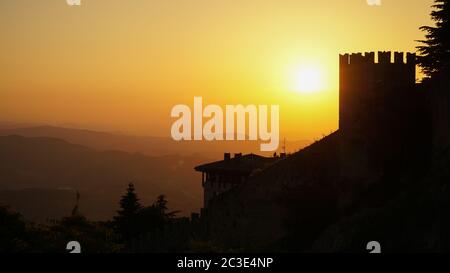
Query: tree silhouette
{"points": [[12, 231], [126, 221], [95, 237], [155, 216], [435, 49], [129, 203], [76, 210], [161, 205]]}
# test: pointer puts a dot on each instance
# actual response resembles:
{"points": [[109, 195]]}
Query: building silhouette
{"points": [[221, 176], [381, 112], [383, 133]]}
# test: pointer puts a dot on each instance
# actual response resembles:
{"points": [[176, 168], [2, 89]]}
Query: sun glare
{"points": [[308, 80]]}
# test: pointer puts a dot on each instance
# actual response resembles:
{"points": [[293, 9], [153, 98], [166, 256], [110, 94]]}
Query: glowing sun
{"points": [[308, 80]]}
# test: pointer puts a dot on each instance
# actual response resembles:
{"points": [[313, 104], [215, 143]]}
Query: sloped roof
{"points": [[245, 163]]}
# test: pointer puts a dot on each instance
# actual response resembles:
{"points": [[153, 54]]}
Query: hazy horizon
{"points": [[120, 67]]}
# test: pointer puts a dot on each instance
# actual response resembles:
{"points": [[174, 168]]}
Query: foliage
{"points": [[435, 49], [126, 221]]}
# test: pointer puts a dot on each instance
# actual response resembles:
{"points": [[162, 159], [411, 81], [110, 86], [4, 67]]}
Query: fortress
{"points": [[367, 88], [380, 109], [382, 135]]}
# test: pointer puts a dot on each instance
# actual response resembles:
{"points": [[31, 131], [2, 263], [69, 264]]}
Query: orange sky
{"points": [[122, 65]]}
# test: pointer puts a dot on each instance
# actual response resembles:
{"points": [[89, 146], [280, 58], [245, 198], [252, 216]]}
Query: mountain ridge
{"points": [[52, 163]]}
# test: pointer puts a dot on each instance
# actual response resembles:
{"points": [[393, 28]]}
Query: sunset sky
{"points": [[122, 65]]}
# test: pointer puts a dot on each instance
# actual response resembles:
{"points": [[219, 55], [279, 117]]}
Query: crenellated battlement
{"points": [[376, 99], [373, 78], [384, 57]]}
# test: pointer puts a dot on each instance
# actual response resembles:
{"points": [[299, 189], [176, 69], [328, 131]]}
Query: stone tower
{"points": [[377, 108]]}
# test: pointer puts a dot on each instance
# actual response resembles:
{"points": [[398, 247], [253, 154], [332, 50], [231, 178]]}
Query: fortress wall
{"points": [[375, 100]]}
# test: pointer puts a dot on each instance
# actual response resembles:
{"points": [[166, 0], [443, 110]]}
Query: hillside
{"points": [[100, 176], [267, 211], [153, 146]]}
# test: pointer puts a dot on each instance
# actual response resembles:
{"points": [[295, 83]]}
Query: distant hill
{"points": [[100, 176], [153, 146], [42, 205]]}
